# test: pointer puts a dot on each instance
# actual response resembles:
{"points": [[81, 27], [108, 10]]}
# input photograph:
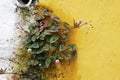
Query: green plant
{"points": [[47, 43]]}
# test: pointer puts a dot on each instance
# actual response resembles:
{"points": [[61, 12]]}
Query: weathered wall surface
{"points": [[7, 33], [97, 43]]}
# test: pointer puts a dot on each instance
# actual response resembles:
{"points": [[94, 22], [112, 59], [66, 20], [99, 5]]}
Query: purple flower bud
{"points": [[79, 22], [57, 61], [29, 50]]}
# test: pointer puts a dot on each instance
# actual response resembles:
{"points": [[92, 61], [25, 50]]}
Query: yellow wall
{"points": [[98, 45]]}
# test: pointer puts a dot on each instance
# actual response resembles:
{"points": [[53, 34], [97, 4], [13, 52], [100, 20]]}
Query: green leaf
{"points": [[55, 18], [49, 23], [46, 47], [38, 17], [45, 12], [54, 38], [66, 25], [65, 30], [53, 45], [47, 62], [44, 33], [41, 43], [28, 39], [40, 51], [67, 56], [38, 32], [48, 38], [34, 51], [65, 37], [71, 47], [32, 62], [34, 37], [53, 55], [28, 45], [47, 32], [31, 26], [40, 57], [53, 31], [55, 27], [42, 38], [74, 54], [59, 56], [62, 47], [35, 45], [52, 27]]}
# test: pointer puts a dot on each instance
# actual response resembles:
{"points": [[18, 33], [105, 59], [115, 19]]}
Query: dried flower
{"points": [[86, 23], [12, 59], [57, 61], [29, 50]]}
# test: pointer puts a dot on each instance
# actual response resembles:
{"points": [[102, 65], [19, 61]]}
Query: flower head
{"points": [[79, 22], [45, 25], [57, 61]]}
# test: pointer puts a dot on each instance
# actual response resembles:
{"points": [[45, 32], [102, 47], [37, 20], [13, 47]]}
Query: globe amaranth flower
{"points": [[45, 25], [79, 22], [57, 61]]}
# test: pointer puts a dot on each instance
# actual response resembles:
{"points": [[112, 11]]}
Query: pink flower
{"points": [[79, 22], [57, 61], [45, 25]]}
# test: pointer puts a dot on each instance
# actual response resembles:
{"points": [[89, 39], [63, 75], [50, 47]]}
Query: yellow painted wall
{"points": [[98, 43]]}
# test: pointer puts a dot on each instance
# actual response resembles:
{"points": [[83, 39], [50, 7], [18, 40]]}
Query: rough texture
{"points": [[7, 33], [8, 40], [97, 43], [9, 77]]}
